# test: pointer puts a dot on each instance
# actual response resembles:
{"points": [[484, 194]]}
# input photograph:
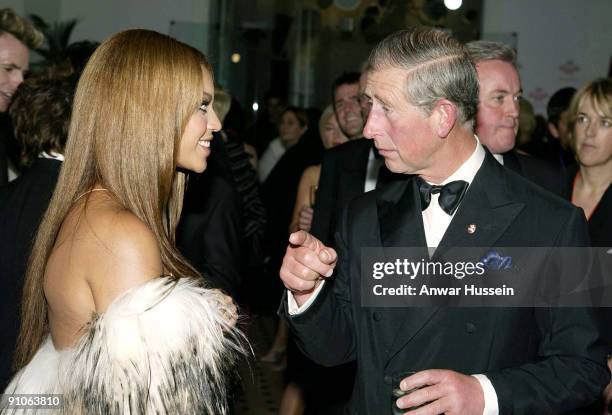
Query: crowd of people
{"points": [[141, 217]]}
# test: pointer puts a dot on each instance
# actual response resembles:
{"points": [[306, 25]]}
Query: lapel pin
{"points": [[471, 228]]}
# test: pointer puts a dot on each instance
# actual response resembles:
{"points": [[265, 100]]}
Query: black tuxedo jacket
{"points": [[343, 175], [548, 175], [539, 360], [22, 205]]}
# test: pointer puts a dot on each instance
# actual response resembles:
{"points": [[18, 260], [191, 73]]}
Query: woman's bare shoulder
{"points": [[122, 249]]}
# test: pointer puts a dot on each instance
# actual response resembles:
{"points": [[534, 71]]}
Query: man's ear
{"points": [[552, 129], [445, 117]]}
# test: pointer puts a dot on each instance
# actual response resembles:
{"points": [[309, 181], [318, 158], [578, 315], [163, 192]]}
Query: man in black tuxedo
{"points": [[349, 169], [498, 111], [423, 92], [16, 36], [41, 114]]}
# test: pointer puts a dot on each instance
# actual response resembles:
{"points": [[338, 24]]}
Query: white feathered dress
{"points": [[163, 347]]}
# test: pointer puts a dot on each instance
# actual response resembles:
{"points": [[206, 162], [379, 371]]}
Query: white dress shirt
{"points": [[269, 158], [435, 223], [372, 170]]}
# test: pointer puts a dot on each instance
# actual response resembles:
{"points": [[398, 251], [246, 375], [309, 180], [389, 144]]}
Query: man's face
{"points": [[402, 133], [498, 107], [13, 65], [348, 111]]}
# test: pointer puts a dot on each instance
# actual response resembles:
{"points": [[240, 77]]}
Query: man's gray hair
{"points": [[486, 50], [437, 65]]}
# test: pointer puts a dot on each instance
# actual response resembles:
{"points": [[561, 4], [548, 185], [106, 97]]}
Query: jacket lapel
{"points": [[486, 211], [401, 225], [487, 205]]}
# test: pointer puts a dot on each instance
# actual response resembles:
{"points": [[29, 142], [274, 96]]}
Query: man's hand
{"points": [[446, 391], [305, 218], [306, 262]]}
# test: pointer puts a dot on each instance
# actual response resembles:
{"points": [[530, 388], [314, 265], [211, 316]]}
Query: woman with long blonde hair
{"points": [[113, 317]]}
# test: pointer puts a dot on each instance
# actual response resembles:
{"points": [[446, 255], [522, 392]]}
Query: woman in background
{"points": [[293, 125], [114, 318], [590, 182], [332, 136], [305, 378], [591, 138]]}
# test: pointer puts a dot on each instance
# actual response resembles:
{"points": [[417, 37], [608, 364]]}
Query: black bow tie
{"points": [[450, 194]]}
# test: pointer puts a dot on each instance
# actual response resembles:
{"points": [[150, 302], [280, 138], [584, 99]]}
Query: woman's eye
{"points": [[606, 123], [582, 119], [204, 107]]}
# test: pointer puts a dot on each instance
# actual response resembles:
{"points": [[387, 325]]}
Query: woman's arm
{"points": [[302, 211]]}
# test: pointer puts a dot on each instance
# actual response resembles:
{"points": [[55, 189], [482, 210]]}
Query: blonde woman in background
{"points": [[590, 182], [292, 400], [114, 319], [332, 136], [591, 139]]}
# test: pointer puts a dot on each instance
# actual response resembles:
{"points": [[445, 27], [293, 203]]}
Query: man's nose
{"points": [[369, 129], [513, 108], [16, 78]]}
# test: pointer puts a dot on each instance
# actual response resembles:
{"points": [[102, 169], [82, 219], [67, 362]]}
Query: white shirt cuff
{"points": [[292, 306], [491, 406]]}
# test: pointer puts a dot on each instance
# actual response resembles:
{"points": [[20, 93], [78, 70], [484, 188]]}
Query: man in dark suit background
{"points": [[41, 114], [497, 120], [423, 92], [17, 35], [350, 169]]}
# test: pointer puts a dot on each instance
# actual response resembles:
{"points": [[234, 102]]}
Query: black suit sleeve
{"points": [[325, 209], [325, 331], [571, 372]]}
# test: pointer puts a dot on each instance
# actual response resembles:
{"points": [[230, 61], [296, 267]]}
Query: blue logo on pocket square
{"points": [[493, 261]]}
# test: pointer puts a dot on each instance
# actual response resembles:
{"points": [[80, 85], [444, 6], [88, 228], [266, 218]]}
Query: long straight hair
{"points": [[132, 104]]}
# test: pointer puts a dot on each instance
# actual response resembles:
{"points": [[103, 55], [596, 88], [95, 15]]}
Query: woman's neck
{"points": [[596, 178]]}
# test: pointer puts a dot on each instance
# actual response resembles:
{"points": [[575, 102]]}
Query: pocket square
{"points": [[493, 261]]}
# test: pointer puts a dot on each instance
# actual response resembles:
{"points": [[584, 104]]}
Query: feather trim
{"points": [[163, 347]]}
